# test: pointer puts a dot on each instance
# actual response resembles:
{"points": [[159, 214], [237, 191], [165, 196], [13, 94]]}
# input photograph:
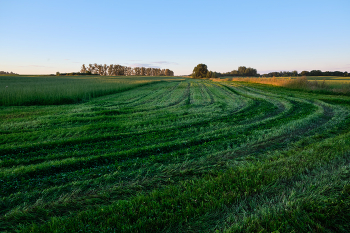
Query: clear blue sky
{"points": [[41, 37]]}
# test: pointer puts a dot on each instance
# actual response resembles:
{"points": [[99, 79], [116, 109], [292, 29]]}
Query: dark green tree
{"points": [[209, 74], [167, 72], [242, 71], [234, 73], [200, 71], [250, 72], [315, 73], [304, 73]]}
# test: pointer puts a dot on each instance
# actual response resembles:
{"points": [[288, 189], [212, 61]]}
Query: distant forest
{"points": [[118, 70], [243, 71]]}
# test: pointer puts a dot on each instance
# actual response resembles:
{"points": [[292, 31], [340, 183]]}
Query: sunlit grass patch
{"points": [[310, 83]]}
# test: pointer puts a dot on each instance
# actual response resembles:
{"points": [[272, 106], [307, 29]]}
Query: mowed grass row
{"points": [[189, 204], [194, 140]]}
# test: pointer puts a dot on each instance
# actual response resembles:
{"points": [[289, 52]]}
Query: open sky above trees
{"points": [[43, 37]]}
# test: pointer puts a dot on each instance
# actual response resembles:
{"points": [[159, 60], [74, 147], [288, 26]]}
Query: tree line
{"points": [[282, 74], [306, 73], [201, 71], [10, 73], [326, 73], [119, 70], [242, 71]]}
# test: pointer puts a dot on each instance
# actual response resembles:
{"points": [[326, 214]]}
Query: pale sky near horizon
{"points": [[42, 37]]}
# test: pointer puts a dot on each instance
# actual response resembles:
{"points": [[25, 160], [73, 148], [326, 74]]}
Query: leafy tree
{"points": [[250, 72], [143, 71], [121, 70], [137, 71], [110, 70], [96, 68], [316, 73], [200, 71], [304, 73], [234, 73], [156, 72], [218, 74], [242, 70], [209, 74], [129, 71], [167, 72], [83, 69], [338, 73], [104, 70], [90, 68]]}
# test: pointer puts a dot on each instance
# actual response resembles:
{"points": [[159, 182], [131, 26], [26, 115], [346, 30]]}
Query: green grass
{"points": [[49, 90], [320, 84], [337, 84], [178, 156]]}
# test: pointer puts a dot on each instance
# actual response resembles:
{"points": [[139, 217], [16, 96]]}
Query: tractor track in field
{"points": [[162, 136]]}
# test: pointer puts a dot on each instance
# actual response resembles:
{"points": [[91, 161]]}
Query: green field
{"points": [[325, 84], [45, 90], [334, 82], [178, 155]]}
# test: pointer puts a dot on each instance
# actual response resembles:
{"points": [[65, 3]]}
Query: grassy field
{"points": [[183, 155], [45, 90], [330, 84], [336, 83]]}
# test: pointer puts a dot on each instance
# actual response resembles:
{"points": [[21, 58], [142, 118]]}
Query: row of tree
{"points": [[282, 74], [242, 71], [10, 73], [306, 73], [116, 70], [326, 73], [201, 71]]}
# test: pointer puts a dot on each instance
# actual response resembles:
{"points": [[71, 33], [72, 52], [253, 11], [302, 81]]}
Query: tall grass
{"points": [[303, 83], [46, 90]]}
